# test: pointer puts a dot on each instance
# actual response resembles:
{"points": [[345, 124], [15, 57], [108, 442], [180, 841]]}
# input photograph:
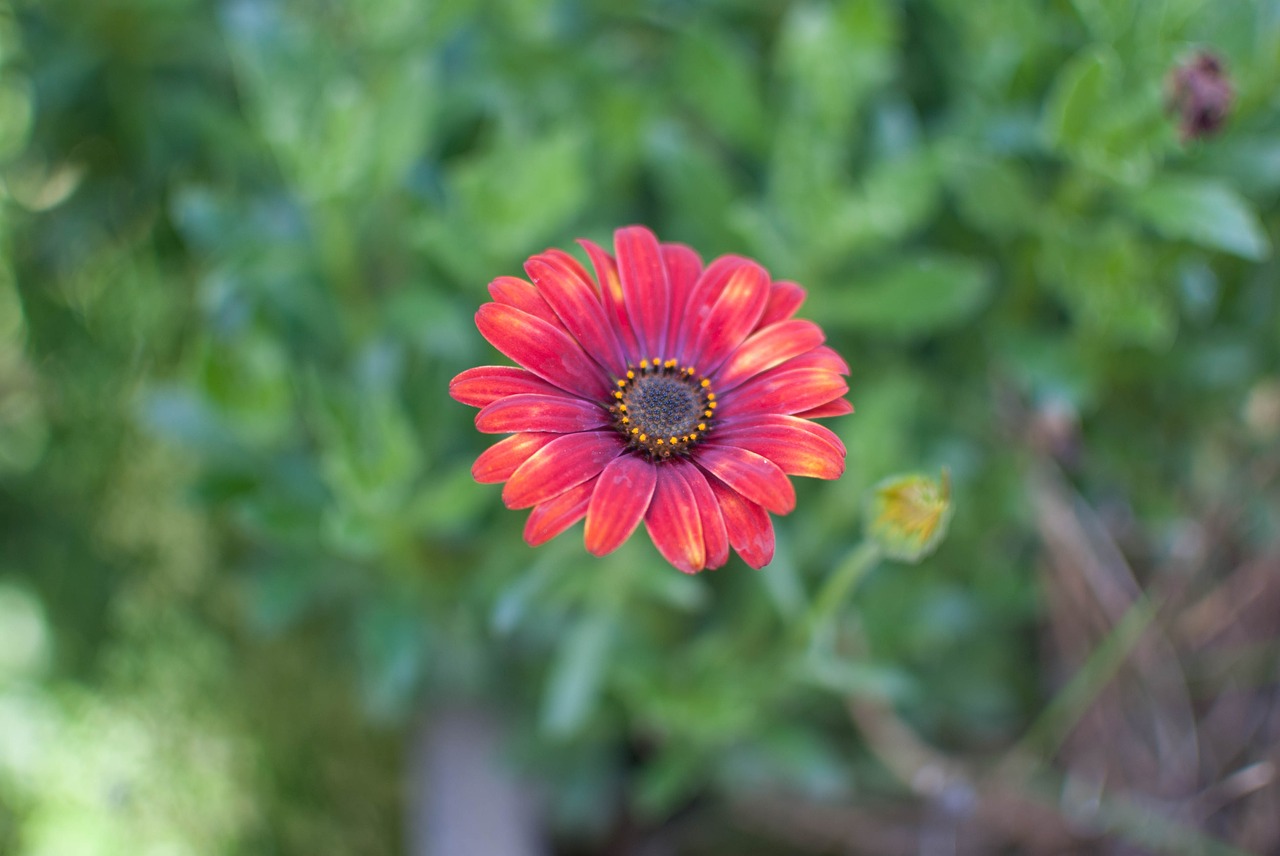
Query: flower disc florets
{"points": [[662, 408]]}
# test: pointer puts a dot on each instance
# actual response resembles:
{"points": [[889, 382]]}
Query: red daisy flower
{"points": [[659, 390]]}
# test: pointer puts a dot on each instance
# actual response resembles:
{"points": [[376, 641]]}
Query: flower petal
{"points": [[499, 461], [644, 286], [674, 523], [683, 269], [513, 291], [543, 349], [706, 291], [548, 519], [578, 307], [784, 301], [732, 318], [615, 304], [748, 525], [618, 504], [795, 452], [486, 384], [758, 479], [835, 407], [565, 462], [778, 426], [820, 358], [783, 390], [714, 537], [556, 414], [766, 348]]}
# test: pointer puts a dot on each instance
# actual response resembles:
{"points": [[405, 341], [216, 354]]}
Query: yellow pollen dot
{"points": [[635, 430], [644, 364], [622, 383], [626, 419], [631, 375], [691, 370], [711, 396], [644, 438], [693, 436], [702, 426], [706, 413], [670, 363], [622, 407], [711, 404], [659, 441], [618, 395], [674, 441], [705, 383]]}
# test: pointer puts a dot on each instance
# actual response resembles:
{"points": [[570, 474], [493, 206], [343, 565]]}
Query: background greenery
{"points": [[241, 554]]}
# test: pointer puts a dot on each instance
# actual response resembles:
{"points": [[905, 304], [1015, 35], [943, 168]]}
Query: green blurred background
{"points": [[243, 565]]}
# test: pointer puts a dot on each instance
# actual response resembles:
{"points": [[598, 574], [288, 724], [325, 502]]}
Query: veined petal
{"points": [[758, 479], [706, 291], [748, 525], [499, 461], [784, 301], [819, 358], [548, 519], [714, 537], [513, 291], [556, 414], [615, 304], [674, 523], [619, 502], [783, 390], [796, 453], [578, 306], [543, 349], [835, 407], [486, 384], [732, 318], [779, 426], [644, 287], [766, 348], [565, 462], [573, 266], [684, 266]]}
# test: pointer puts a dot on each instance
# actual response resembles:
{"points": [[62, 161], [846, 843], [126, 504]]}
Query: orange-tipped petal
{"points": [[766, 348], [783, 390], [565, 462], [619, 502], [570, 294], [644, 286], [800, 456], [684, 266], [778, 426], [515, 292], [755, 477], [674, 523], [611, 296], [499, 461], [486, 384], [548, 519], [732, 317], [555, 414], [748, 525], [543, 349], [784, 301], [714, 537], [706, 291], [836, 407]]}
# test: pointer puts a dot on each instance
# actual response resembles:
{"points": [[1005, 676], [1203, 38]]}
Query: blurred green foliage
{"points": [[242, 246]]}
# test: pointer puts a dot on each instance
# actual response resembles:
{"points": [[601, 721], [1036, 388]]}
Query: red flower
{"points": [[660, 391]]}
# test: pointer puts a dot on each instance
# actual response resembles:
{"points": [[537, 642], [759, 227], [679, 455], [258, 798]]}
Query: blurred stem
{"points": [[856, 565]]}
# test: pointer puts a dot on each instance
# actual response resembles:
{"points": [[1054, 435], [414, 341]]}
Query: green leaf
{"points": [[1205, 212], [578, 672], [1080, 93], [913, 298]]}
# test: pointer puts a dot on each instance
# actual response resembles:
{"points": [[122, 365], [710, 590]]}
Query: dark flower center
{"points": [[662, 408]]}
